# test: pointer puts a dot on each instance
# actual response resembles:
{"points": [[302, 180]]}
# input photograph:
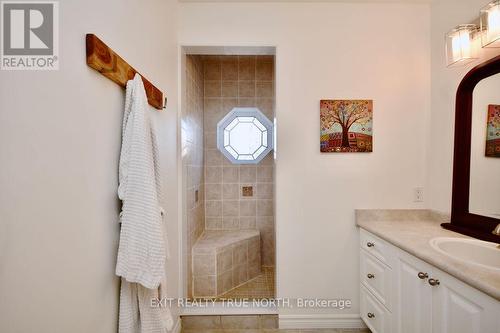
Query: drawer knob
{"points": [[370, 244], [422, 275], [434, 282], [370, 276], [370, 315]]}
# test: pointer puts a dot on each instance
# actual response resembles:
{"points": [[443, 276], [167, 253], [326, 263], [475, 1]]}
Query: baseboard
{"points": [[178, 326], [321, 321]]}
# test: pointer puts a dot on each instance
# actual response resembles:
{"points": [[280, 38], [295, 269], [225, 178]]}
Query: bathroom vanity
{"points": [[409, 285]]}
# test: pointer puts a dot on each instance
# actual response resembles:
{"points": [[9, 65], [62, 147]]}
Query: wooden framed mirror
{"points": [[477, 94]]}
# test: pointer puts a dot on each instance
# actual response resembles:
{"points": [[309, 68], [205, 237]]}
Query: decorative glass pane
{"points": [[242, 136], [232, 124], [232, 151], [246, 119], [245, 138], [245, 157], [259, 124], [259, 151]]}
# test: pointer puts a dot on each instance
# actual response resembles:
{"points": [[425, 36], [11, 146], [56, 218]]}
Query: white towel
{"points": [[141, 253], [136, 313]]}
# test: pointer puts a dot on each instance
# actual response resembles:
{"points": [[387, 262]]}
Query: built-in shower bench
{"points": [[223, 260]]}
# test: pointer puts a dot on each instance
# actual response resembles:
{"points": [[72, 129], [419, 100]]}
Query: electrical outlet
{"points": [[418, 194]]}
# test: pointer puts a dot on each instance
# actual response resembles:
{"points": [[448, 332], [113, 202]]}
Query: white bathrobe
{"points": [[142, 250]]}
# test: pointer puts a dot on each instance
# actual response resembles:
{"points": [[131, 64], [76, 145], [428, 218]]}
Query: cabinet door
{"points": [[459, 308], [413, 304]]}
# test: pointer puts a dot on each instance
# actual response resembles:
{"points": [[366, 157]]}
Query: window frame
{"points": [[245, 112]]}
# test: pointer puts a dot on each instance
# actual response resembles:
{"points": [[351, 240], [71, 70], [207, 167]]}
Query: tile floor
{"points": [[260, 287], [257, 288], [247, 324], [327, 330]]}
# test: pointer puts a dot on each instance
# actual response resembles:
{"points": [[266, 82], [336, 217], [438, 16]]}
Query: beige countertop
{"points": [[411, 230]]}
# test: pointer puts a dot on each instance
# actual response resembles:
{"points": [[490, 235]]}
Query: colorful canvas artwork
{"points": [[346, 126], [493, 131]]}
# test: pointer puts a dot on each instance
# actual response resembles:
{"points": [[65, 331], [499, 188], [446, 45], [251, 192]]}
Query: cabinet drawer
{"points": [[377, 278], [375, 246], [375, 316]]}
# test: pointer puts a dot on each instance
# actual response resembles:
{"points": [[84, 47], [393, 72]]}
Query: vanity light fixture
{"points": [[460, 46], [490, 24]]}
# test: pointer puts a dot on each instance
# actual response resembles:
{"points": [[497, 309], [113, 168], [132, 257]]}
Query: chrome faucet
{"points": [[496, 231]]}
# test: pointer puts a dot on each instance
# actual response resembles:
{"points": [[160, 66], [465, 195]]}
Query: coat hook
{"points": [[165, 103]]}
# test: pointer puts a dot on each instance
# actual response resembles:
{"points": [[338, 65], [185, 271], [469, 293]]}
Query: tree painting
{"points": [[346, 125], [493, 131]]}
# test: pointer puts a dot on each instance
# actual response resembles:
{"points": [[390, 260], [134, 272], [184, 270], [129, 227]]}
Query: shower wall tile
{"points": [[205, 285], [212, 69], [265, 208], [228, 104], [246, 68], [248, 174], [213, 191], [248, 222], [229, 88], [231, 174], [264, 89], [213, 208], [203, 264], [230, 191], [230, 223], [264, 70], [248, 208], [213, 157], [230, 208], [266, 106], [244, 81], [265, 174], [212, 106], [211, 140], [265, 222], [213, 223], [229, 67], [213, 89], [246, 102], [193, 157], [265, 191], [213, 174], [246, 89]]}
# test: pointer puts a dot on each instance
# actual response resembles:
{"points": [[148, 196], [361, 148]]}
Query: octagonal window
{"points": [[245, 136]]}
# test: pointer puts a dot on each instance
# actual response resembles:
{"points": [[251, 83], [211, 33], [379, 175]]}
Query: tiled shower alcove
{"points": [[216, 192]]}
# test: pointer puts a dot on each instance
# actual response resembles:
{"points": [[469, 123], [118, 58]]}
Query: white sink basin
{"points": [[472, 251]]}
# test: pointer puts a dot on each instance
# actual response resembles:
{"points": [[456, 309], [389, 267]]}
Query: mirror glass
{"points": [[484, 195]]}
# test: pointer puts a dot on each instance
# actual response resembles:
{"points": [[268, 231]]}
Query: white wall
{"points": [[332, 50], [60, 135], [445, 15]]}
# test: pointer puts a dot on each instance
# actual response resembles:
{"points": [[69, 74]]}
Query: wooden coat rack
{"points": [[107, 62]]}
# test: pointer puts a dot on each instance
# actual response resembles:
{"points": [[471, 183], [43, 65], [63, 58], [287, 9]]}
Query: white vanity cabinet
{"points": [[459, 308], [413, 295], [403, 294]]}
